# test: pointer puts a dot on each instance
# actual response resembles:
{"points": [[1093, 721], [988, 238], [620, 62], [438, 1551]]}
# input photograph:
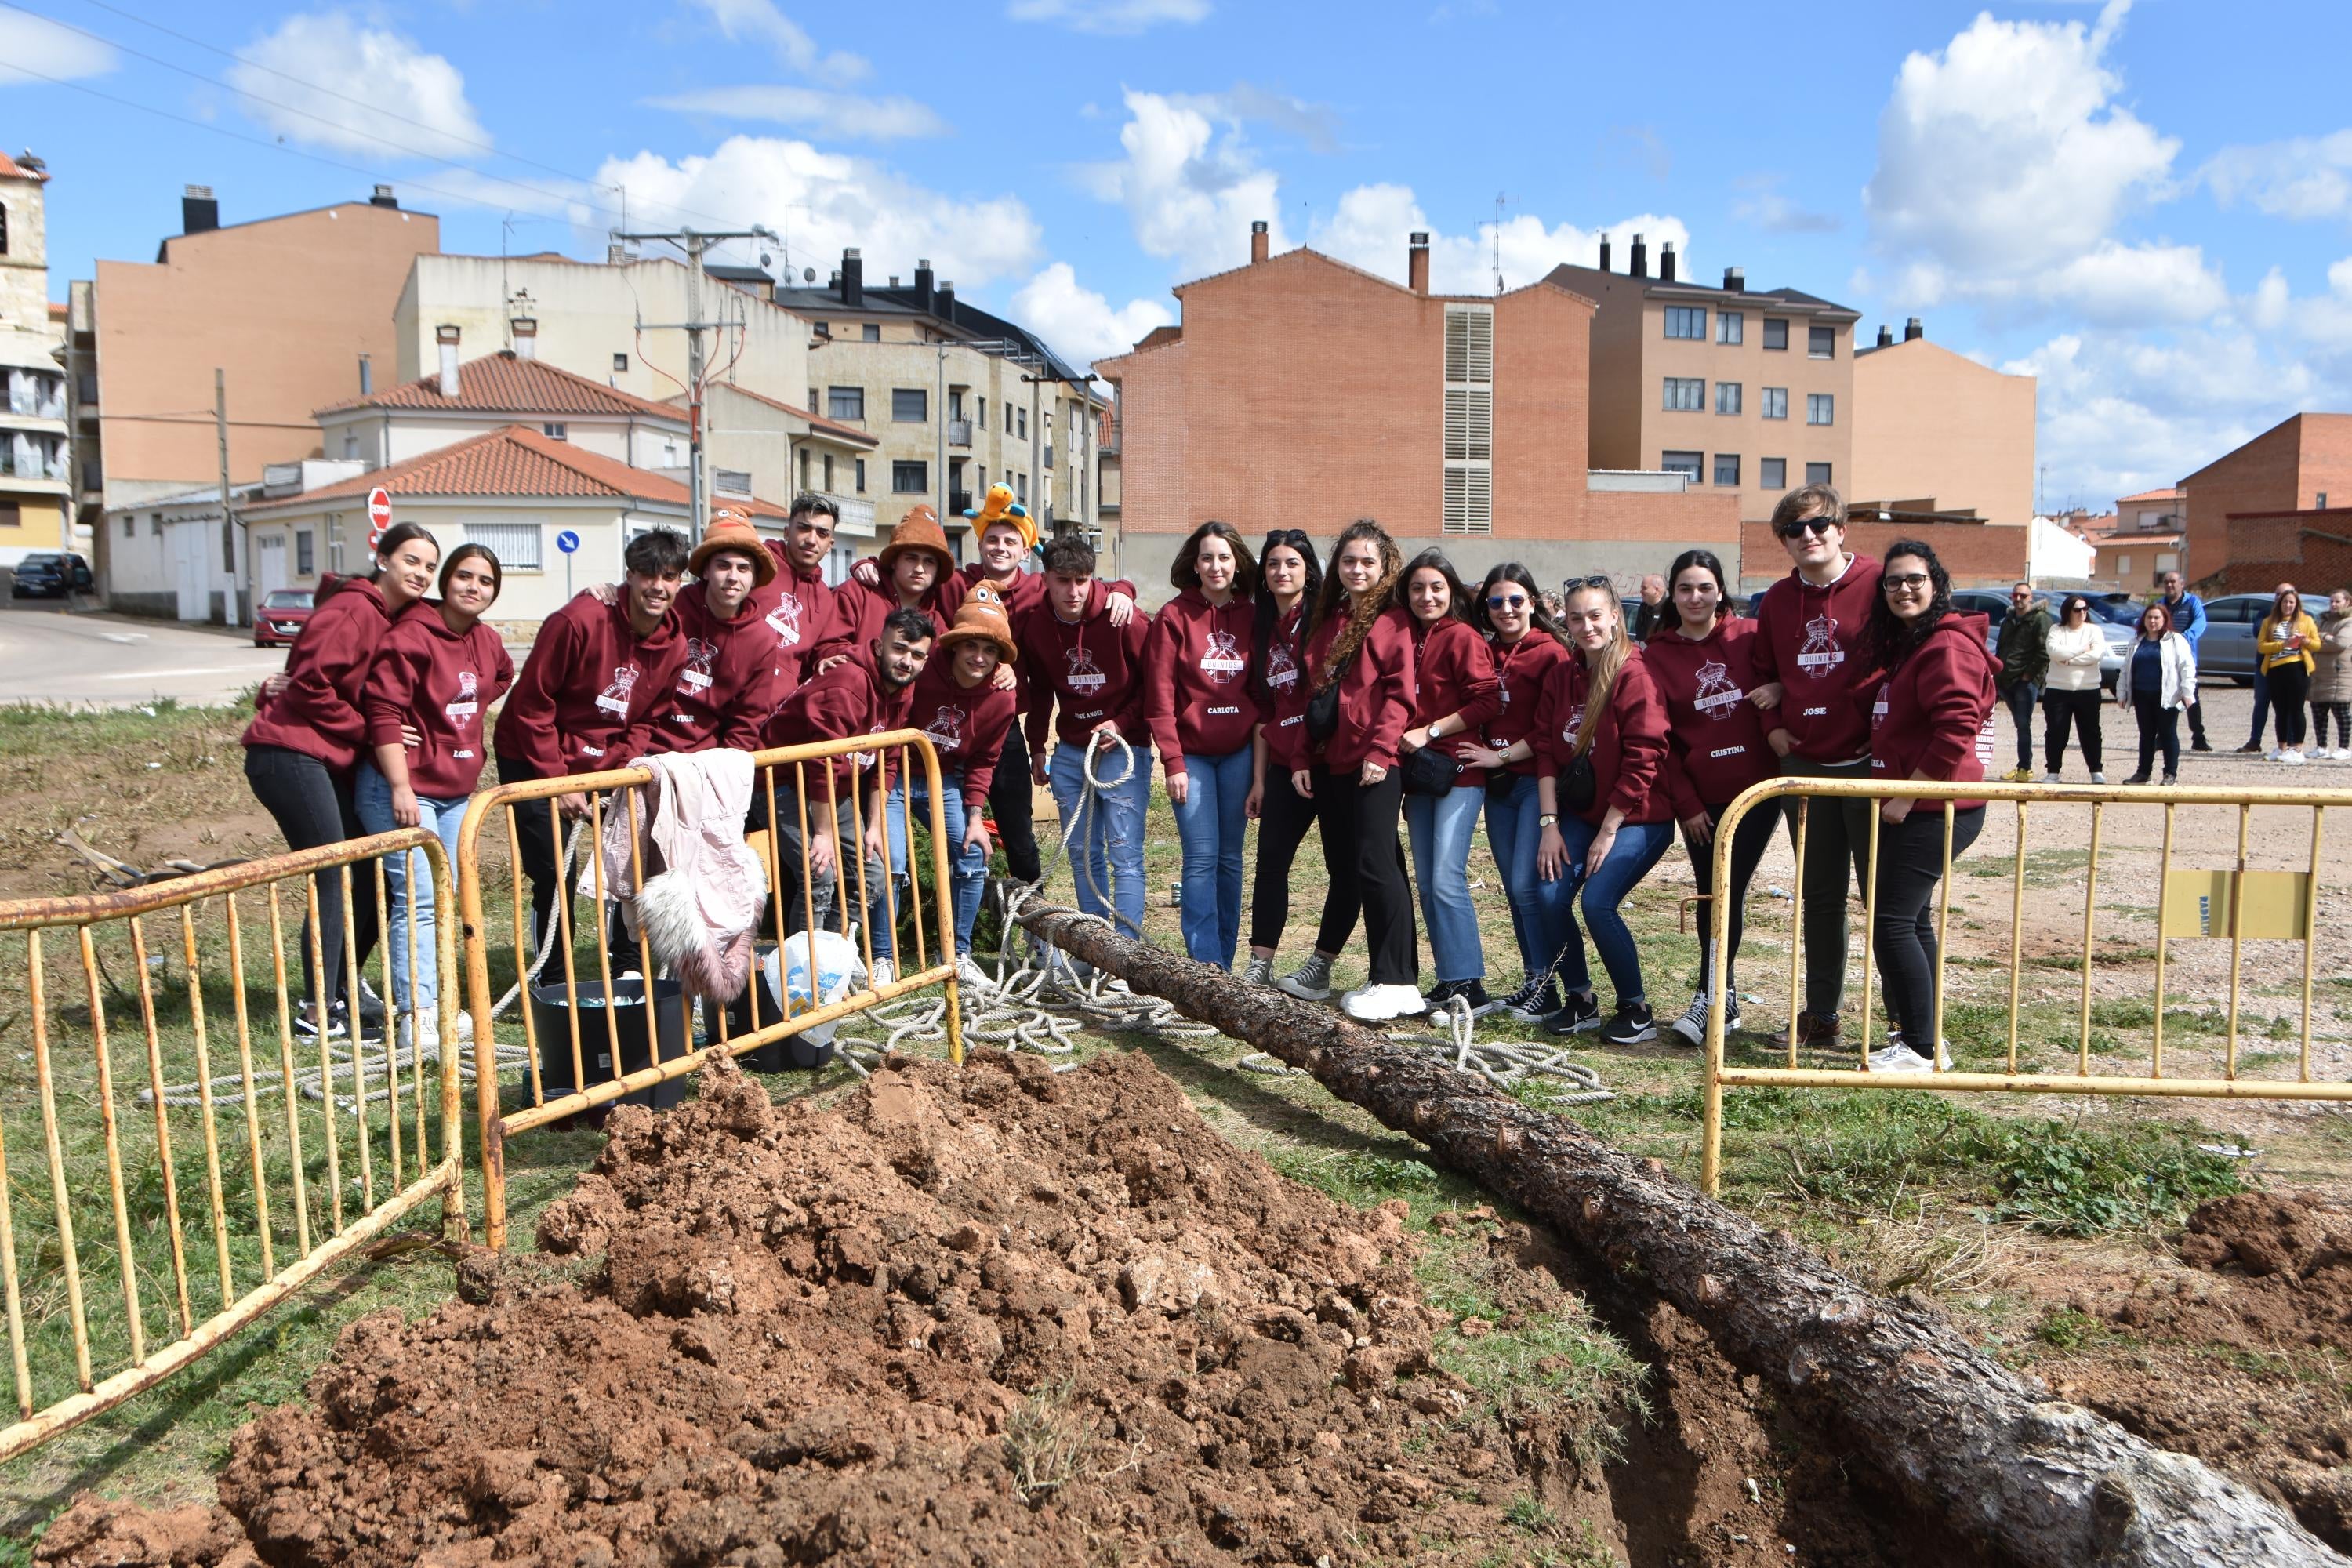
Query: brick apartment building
{"points": [[2245, 511], [1301, 391]]}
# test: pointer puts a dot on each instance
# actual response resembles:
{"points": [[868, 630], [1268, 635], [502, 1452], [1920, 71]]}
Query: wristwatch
{"points": [[1548, 819]]}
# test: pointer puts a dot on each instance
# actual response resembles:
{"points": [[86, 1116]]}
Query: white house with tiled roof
{"points": [[474, 396]]}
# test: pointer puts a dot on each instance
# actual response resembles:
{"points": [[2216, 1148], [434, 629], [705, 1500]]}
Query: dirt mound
{"points": [[1002, 1316], [2275, 1271]]}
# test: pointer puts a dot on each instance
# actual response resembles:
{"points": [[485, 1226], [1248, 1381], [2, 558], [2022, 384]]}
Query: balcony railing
{"points": [[959, 432], [959, 503]]}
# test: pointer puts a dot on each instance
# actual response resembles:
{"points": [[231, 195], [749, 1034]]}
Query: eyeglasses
{"points": [[1908, 580], [1797, 528], [1507, 602]]}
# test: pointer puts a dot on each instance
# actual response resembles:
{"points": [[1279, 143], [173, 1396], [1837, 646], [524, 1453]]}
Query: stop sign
{"points": [[379, 508]]}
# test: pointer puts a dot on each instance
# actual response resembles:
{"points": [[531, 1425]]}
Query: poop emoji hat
{"points": [[998, 506]]}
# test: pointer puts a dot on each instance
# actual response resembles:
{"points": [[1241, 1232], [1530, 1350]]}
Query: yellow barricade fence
{"points": [[592, 1063], [288, 1191], [2237, 901]]}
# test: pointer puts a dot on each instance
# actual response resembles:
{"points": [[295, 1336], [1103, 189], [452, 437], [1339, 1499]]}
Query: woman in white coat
{"points": [[2159, 683]]}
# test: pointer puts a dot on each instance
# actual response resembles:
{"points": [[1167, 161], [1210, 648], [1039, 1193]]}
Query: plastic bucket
{"points": [[552, 1008]]}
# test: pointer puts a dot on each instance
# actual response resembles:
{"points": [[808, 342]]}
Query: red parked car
{"points": [[281, 617]]}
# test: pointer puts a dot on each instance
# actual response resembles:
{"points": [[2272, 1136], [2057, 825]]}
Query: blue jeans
{"points": [[1637, 848], [1108, 853], [1440, 826], [1512, 834], [967, 866], [372, 793], [1212, 825]]}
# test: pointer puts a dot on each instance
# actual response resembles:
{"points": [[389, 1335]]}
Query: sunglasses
{"points": [[1295, 537], [1507, 600], [1573, 583], [1804, 525]]}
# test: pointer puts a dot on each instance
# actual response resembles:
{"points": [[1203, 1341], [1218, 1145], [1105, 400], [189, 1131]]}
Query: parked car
{"points": [[50, 575], [1994, 607], [279, 620], [2226, 651]]}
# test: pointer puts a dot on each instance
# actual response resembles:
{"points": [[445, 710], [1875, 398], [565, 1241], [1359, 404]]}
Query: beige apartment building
{"points": [[293, 309], [36, 464], [1935, 431], [1746, 393]]}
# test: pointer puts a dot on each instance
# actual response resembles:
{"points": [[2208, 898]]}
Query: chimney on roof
{"points": [[1886, 336], [383, 197], [1666, 262], [1735, 280], [367, 376], [923, 285], [526, 336], [446, 337], [1258, 242], [853, 279], [1416, 260], [1605, 253], [1913, 330], [199, 213], [1637, 260], [944, 302]]}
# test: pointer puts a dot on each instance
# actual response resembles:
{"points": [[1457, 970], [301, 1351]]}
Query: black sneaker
{"points": [[2200, 746], [1579, 1015], [1534, 1002], [1631, 1025], [1434, 1001], [1475, 992], [305, 1023]]}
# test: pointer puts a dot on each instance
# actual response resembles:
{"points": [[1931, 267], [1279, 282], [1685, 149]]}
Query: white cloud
{"points": [[378, 73], [1769, 210], [760, 22], [1080, 323], [1113, 17], [841, 114], [2131, 284], [1190, 186], [823, 202], [1368, 228], [40, 46], [2306, 177]]}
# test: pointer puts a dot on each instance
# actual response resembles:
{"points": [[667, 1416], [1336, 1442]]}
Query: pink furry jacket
{"points": [[704, 886]]}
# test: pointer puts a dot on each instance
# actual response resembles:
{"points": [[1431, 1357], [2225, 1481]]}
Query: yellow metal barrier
{"points": [[275, 1194], [590, 792], [2236, 902]]}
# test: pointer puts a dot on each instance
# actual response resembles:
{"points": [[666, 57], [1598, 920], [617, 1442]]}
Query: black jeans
{"points": [[2290, 691], [2197, 722], [1014, 808], [1283, 820], [2158, 726], [2320, 713], [535, 836], [1837, 845], [1910, 864], [2080, 709], [1749, 842], [1364, 856], [313, 806], [2020, 698]]}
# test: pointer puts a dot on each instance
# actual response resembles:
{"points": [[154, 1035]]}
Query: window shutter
{"points": [[1469, 419]]}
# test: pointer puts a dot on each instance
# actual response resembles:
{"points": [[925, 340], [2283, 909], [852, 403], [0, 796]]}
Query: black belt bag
{"points": [[1577, 786]]}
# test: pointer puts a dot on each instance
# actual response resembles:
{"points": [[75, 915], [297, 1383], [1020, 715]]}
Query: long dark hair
{"points": [[464, 553], [1378, 598], [1457, 596], [1184, 572], [1886, 638], [1705, 560], [1262, 638], [1540, 615], [398, 534]]}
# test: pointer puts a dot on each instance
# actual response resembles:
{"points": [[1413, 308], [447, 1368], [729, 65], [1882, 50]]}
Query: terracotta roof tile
{"points": [[2170, 493], [505, 383], [11, 169]]}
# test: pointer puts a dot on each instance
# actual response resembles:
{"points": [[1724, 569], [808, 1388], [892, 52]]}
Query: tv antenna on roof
{"points": [[1499, 200]]}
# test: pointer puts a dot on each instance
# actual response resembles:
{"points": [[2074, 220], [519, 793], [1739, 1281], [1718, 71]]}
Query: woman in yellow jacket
{"points": [[2284, 642]]}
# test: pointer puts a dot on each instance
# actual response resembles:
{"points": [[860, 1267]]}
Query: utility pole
{"points": [[229, 519], [696, 243]]}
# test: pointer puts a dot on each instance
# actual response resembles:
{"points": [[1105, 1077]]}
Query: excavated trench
{"points": [[998, 1316]]}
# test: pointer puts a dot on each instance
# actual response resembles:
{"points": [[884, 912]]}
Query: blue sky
{"points": [[2149, 206]]}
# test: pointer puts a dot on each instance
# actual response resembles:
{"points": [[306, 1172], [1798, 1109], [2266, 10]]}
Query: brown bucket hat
{"points": [[919, 529], [981, 619], [730, 530]]}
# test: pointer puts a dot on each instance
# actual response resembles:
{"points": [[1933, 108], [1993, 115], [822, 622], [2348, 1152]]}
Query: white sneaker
{"points": [[2273, 755], [2291, 754], [2098, 778], [972, 975], [2052, 778], [1379, 1004], [2341, 755], [1898, 1059], [881, 974]]}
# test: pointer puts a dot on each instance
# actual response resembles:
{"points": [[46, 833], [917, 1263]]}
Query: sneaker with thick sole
{"points": [[2098, 778], [1435, 1001], [1260, 972], [1380, 1003], [305, 1023], [882, 972], [2201, 746], [1310, 982], [2019, 775], [1690, 1029], [1519, 1003], [1894, 1041], [2169, 779], [1474, 992], [1576, 1015], [2052, 778], [1899, 1057], [969, 974], [1632, 1025]]}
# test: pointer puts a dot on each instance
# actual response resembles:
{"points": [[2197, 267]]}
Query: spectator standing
{"points": [[1653, 611], [2263, 695], [2159, 680], [2187, 613], [1196, 699], [2331, 679], [2024, 654], [2075, 693], [1289, 576], [1455, 693], [2284, 643]]}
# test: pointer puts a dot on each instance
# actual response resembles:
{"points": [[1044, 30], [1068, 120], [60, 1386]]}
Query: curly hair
{"points": [[1368, 608], [1888, 639]]}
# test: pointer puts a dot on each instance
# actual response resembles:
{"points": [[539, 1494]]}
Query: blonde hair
{"points": [[1601, 669]]}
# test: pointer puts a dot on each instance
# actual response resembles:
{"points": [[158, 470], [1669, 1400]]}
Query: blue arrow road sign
{"points": [[567, 542]]}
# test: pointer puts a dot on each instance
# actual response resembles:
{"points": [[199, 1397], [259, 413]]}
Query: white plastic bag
{"points": [[839, 971]]}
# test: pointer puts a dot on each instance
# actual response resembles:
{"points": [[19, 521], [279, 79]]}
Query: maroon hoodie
{"points": [[859, 611], [1629, 749], [1932, 717], [1196, 691], [798, 607], [318, 712], [1093, 670], [441, 684], [590, 691], [1806, 639], [1375, 695], [1275, 679], [1523, 672], [727, 686], [848, 699], [1715, 736], [966, 726], [1453, 672]]}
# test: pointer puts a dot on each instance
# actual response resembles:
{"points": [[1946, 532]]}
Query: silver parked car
{"points": [[2226, 651], [1994, 607]]}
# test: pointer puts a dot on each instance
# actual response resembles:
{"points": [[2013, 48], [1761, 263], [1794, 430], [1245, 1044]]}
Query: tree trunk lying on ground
{"points": [[2040, 1480]]}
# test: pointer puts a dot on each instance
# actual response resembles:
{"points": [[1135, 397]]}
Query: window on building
{"points": [[516, 544], [1776, 332], [909, 405], [861, 476], [823, 328], [555, 430], [1817, 474], [1773, 473], [4, 231], [2165, 560], [844, 402], [2123, 566], [129, 526], [955, 402], [1726, 468], [1687, 321], [828, 471], [1686, 394], [1726, 397], [910, 478], [306, 552], [1021, 489], [1729, 325], [1688, 463], [871, 333], [155, 526], [1821, 342], [1776, 403], [1024, 422], [620, 364], [2322, 503], [805, 467], [1008, 419], [1468, 477], [350, 444], [1821, 408], [812, 404], [980, 412]]}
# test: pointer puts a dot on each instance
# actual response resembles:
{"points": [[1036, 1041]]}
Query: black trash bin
{"points": [[793, 1053], [551, 1010]]}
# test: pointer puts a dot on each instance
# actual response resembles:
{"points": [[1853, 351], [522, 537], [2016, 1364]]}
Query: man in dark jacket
{"points": [[2188, 613], [2024, 654]]}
